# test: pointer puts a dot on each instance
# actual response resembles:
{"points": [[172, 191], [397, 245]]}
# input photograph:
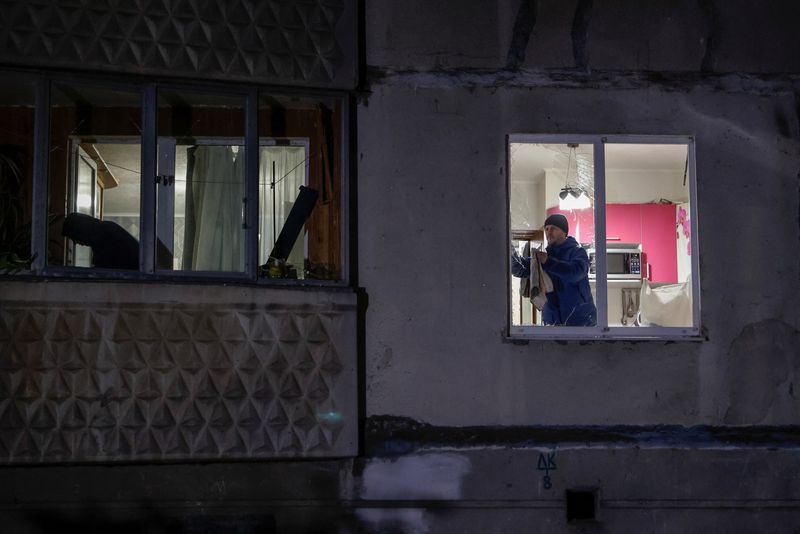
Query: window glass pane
{"points": [[299, 216], [95, 138], [648, 235], [551, 183], [201, 189], [85, 178], [16, 170], [283, 170]]}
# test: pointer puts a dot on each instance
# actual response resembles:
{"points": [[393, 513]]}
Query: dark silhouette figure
{"points": [[112, 246]]}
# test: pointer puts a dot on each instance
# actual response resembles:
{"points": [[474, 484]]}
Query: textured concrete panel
{"points": [[96, 380], [303, 42]]}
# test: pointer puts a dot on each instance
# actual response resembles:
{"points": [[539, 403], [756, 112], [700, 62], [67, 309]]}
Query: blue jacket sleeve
{"points": [[520, 267], [570, 270]]}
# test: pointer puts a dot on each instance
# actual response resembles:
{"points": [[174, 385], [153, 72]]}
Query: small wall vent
{"points": [[582, 504]]}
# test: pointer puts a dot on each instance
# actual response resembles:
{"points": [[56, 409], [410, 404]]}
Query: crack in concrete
{"points": [[679, 81], [711, 16], [580, 33], [764, 349], [797, 112], [523, 28]]}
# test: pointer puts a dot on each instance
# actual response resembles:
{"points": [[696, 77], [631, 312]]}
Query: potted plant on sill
{"points": [[15, 232]]}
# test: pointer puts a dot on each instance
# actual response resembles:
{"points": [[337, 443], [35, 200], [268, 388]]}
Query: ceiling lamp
{"points": [[572, 197]]}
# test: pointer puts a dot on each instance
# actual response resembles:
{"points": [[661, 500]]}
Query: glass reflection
{"points": [[648, 235], [552, 231]]}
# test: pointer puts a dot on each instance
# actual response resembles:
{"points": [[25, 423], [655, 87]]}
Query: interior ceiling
{"points": [[123, 161], [529, 160]]}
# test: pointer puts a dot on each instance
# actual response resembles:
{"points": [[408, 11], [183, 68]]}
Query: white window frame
{"points": [[602, 331]]}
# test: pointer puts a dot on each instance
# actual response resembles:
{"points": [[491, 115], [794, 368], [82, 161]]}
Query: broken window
{"points": [[300, 186], [95, 177], [177, 181], [616, 257]]}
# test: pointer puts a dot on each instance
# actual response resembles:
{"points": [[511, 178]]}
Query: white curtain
{"points": [[214, 237], [290, 171]]}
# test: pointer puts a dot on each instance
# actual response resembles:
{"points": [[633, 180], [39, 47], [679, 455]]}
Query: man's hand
{"points": [[541, 256]]}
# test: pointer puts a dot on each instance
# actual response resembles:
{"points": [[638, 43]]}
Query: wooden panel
{"points": [[320, 127], [527, 235]]}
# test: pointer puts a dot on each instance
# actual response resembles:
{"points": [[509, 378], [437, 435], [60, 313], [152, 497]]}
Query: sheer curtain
{"points": [[290, 171], [213, 237]]}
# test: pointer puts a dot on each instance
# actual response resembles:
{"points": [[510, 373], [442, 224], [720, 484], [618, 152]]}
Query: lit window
{"points": [[200, 187], [603, 237], [94, 180], [300, 166], [166, 181]]}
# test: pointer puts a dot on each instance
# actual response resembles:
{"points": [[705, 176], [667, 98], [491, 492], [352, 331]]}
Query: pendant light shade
{"points": [[573, 197]]}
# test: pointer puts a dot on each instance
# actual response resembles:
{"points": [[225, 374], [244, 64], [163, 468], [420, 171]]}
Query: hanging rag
{"points": [[525, 283], [541, 284]]}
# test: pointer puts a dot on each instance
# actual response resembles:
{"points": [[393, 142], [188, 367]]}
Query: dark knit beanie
{"points": [[559, 221]]}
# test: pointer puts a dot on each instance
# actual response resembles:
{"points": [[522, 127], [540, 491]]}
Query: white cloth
{"points": [[215, 188], [667, 305], [290, 174], [543, 283]]}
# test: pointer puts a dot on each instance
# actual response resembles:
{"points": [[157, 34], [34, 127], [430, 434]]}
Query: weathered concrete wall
{"points": [[432, 232], [432, 126], [446, 82], [491, 490], [679, 35]]}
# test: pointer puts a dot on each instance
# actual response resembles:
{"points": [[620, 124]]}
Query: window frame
{"points": [[601, 331], [148, 89], [77, 155]]}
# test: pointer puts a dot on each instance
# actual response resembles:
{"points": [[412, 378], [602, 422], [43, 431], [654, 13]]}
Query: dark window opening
{"points": [[581, 505]]}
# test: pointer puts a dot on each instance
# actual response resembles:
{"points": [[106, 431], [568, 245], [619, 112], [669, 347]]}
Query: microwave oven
{"points": [[623, 262]]}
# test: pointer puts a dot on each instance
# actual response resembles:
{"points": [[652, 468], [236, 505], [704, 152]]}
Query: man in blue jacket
{"points": [[570, 303]]}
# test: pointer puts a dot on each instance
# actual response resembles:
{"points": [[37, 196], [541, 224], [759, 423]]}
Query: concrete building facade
{"points": [[393, 398]]}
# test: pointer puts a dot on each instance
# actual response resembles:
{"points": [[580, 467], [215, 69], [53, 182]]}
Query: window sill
{"points": [[525, 334], [205, 279], [131, 293]]}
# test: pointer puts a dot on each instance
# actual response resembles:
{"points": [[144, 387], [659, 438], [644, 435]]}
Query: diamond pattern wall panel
{"points": [[129, 382], [292, 42]]}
